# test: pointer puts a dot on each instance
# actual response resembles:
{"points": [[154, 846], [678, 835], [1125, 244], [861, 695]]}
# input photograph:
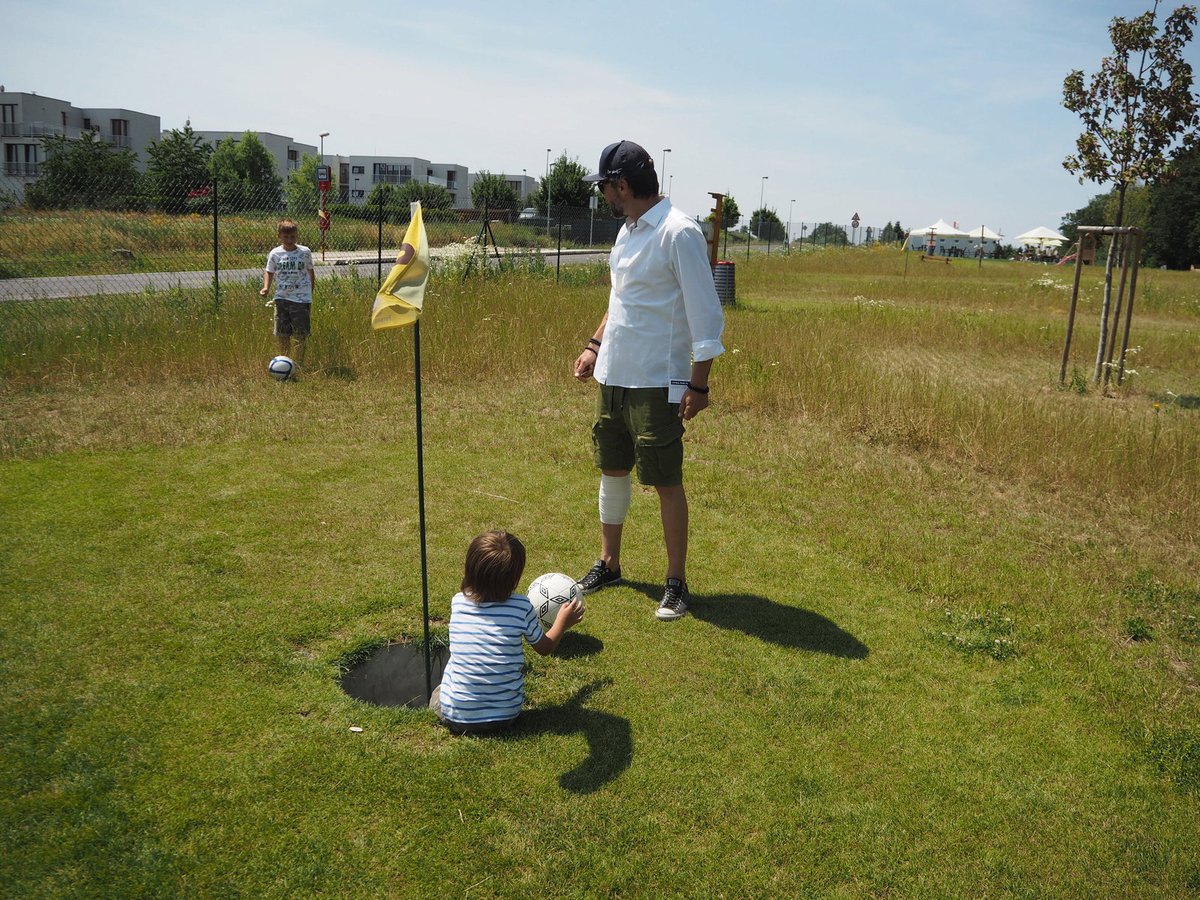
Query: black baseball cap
{"points": [[621, 159]]}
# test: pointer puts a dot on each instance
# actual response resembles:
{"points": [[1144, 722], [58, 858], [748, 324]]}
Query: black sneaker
{"points": [[674, 601], [598, 576]]}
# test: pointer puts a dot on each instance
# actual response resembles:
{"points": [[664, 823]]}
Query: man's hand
{"points": [[585, 364], [692, 403]]}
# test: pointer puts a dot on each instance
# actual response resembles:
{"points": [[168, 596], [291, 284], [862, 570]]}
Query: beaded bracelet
{"points": [[698, 390]]}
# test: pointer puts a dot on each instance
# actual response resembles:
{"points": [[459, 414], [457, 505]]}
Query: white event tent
{"points": [[1041, 237], [990, 240], [939, 238]]}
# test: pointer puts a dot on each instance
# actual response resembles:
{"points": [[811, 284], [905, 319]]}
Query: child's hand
{"points": [[263, 292], [569, 614]]}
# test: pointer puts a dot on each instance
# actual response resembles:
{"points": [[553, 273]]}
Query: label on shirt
{"points": [[676, 389]]}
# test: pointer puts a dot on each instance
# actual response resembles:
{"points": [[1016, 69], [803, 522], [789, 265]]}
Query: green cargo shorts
{"points": [[638, 427]]}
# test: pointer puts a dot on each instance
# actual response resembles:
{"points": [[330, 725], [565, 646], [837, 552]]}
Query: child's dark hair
{"points": [[495, 561]]}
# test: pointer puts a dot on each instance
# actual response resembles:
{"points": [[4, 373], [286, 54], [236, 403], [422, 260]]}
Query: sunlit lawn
{"points": [[943, 643]]}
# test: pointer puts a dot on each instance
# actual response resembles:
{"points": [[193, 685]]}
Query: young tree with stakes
{"points": [[1135, 109]]}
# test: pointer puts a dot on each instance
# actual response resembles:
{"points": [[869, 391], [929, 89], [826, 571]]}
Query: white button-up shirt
{"points": [[663, 310]]}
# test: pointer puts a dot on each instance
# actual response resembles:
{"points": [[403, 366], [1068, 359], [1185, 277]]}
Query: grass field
{"points": [[86, 242], [944, 642]]}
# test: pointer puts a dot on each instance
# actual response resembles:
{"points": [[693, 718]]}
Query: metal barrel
{"points": [[723, 277]]}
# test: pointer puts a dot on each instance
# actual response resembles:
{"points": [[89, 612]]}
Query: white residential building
{"points": [[358, 175], [27, 119], [286, 150], [523, 185]]}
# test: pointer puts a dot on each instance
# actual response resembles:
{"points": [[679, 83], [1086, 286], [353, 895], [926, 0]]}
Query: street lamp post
{"points": [[547, 192], [762, 192], [791, 206], [663, 171], [670, 184], [524, 185]]}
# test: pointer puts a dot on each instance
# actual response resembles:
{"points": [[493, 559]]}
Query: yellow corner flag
{"points": [[399, 300]]}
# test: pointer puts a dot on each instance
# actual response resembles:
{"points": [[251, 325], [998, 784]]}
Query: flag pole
{"points": [[421, 507]]}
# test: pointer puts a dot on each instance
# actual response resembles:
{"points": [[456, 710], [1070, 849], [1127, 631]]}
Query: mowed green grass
{"points": [[911, 668]]}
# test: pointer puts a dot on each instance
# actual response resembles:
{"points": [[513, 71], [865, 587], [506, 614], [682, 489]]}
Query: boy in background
{"points": [[290, 266], [483, 686]]}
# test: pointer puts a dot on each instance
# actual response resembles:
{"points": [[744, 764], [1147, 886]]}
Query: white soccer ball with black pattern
{"points": [[281, 368], [550, 591]]}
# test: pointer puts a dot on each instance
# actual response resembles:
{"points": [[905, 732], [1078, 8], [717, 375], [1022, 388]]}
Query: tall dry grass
{"points": [[946, 362]]}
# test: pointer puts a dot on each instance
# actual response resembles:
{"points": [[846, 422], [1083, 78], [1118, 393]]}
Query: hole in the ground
{"points": [[395, 675]]}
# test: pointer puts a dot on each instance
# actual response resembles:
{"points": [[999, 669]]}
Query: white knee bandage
{"points": [[614, 498]]}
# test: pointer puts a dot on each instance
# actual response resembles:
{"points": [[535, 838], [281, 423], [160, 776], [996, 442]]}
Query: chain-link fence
{"points": [[82, 240]]}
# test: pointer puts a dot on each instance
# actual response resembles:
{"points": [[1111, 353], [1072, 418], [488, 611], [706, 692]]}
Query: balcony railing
{"points": [[119, 140], [21, 169], [27, 129], [390, 178]]}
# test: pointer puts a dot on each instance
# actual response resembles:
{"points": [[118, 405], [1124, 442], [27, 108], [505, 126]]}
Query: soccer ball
{"points": [[281, 368], [550, 591]]}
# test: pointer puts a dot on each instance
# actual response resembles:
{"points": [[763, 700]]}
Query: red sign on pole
{"points": [[854, 220]]}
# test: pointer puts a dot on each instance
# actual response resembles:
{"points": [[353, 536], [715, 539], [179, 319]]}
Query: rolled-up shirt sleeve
{"points": [[705, 318]]}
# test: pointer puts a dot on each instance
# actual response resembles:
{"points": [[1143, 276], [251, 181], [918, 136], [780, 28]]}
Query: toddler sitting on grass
{"points": [[483, 686]]}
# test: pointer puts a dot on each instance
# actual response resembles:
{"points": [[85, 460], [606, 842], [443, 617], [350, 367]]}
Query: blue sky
{"points": [[889, 110]]}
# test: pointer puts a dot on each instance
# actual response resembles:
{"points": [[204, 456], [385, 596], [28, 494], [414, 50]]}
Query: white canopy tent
{"points": [[986, 237], [983, 232], [1041, 237], [938, 238]]}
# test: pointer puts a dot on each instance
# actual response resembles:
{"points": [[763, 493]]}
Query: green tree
{"points": [[1135, 109], [827, 233], [892, 233], [178, 167], [397, 197], [728, 218], [85, 172], [1092, 213], [730, 214], [765, 224], [567, 188], [1173, 224], [244, 171], [303, 197], [494, 192]]}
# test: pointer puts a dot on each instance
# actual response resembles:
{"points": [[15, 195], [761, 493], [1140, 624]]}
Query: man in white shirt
{"points": [[651, 355]]}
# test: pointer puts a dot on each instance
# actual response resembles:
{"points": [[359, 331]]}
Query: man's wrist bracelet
{"points": [[593, 349], [593, 341], [698, 390]]}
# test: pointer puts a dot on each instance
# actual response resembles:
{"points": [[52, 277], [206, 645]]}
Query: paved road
{"points": [[339, 264]]}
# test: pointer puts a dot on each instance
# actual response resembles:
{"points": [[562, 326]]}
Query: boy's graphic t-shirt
{"points": [[484, 679], [290, 268]]}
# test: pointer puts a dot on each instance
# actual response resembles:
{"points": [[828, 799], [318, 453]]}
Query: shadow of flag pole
{"points": [[398, 304]]}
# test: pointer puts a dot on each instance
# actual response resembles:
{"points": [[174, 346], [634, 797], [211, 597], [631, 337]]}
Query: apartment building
{"points": [[27, 119], [286, 151], [358, 175], [523, 185]]}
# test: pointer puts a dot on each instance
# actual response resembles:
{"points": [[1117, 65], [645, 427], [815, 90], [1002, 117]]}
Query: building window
{"points": [[357, 194], [385, 173], [20, 159], [357, 170], [293, 159], [120, 132], [8, 119]]}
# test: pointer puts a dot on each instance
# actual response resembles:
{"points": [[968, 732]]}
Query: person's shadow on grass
{"points": [[609, 738], [787, 626]]}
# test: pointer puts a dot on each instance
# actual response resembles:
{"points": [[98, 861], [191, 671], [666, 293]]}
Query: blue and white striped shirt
{"points": [[484, 679]]}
